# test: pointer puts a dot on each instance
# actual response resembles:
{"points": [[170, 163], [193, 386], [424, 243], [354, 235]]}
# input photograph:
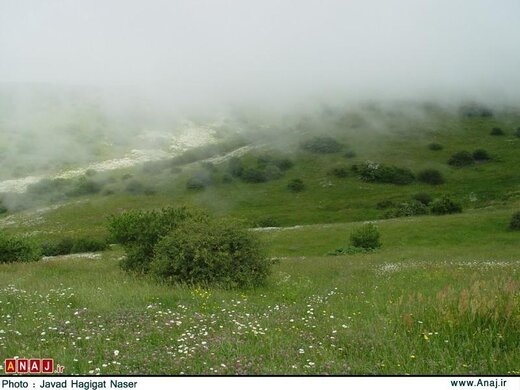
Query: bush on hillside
{"points": [[254, 175], [322, 145], [481, 155], [284, 164], [497, 131], [296, 185], [195, 184], [349, 154], [68, 245], [367, 236], [340, 171], [461, 159], [272, 172], [430, 176], [445, 205], [17, 249], [517, 132], [215, 252], [385, 204], [423, 197], [379, 173], [408, 209], [266, 222], [435, 146], [235, 167], [515, 221], [139, 231], [475, 110]]}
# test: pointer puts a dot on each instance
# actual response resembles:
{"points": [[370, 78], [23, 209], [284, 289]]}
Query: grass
{"points": [[441, 296], [447, 309]]}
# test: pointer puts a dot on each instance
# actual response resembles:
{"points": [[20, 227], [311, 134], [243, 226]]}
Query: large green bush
{"points": [[367, 237], [139, 231], [17, 249], [215, 252]]}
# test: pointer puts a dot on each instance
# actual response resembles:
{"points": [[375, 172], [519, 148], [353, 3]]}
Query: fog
{"points": [[83, 81], [224, 51]]}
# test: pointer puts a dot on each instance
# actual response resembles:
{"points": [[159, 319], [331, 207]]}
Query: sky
{"points": [[265, 51]]}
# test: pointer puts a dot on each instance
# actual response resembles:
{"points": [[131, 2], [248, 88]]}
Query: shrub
{"points": [[284, 164], [349, 154], [321, 145], [431, 176], [3, 208], [445, 205], [517, 132], [135, 187], [367, 236], [385, 204], [68, 245], [339, 171], [254, 175], [481, 155], [497, 131], [194, 183], [408, 209], [235, 167], [17, 249], [139, 231], [272, 172], [85, 186], [296, 185], [435, 146], [475, 110], [266, 222], [515, 221], [423, 197], [211, 253], [379, 173], [461, 159], [227, 178]]}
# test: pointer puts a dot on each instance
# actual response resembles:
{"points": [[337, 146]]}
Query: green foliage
{"points": [[515, 221], [349, 154], [322, 145], [215, 252], [407, 209], [430, 176], [379, 173], [68, 245], [517, 132], [461, 159], [296, 185], [135, 187], [481, 155], [266, 222], [3, 208], [445, 205], [195, 183], [339, 171], [254, 175], [496, 131], [475, 110], [385, 204], [85, 186], [235, 167], [284, 164], [423, 197], [272, 172], [139, 231], [17, 249], [435, 146], [367, 236]]}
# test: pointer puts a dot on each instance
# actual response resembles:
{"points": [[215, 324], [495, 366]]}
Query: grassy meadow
{"points": [[441, 296]]}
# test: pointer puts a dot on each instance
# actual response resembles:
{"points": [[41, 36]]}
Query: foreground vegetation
{"points": [[430, 286]]}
